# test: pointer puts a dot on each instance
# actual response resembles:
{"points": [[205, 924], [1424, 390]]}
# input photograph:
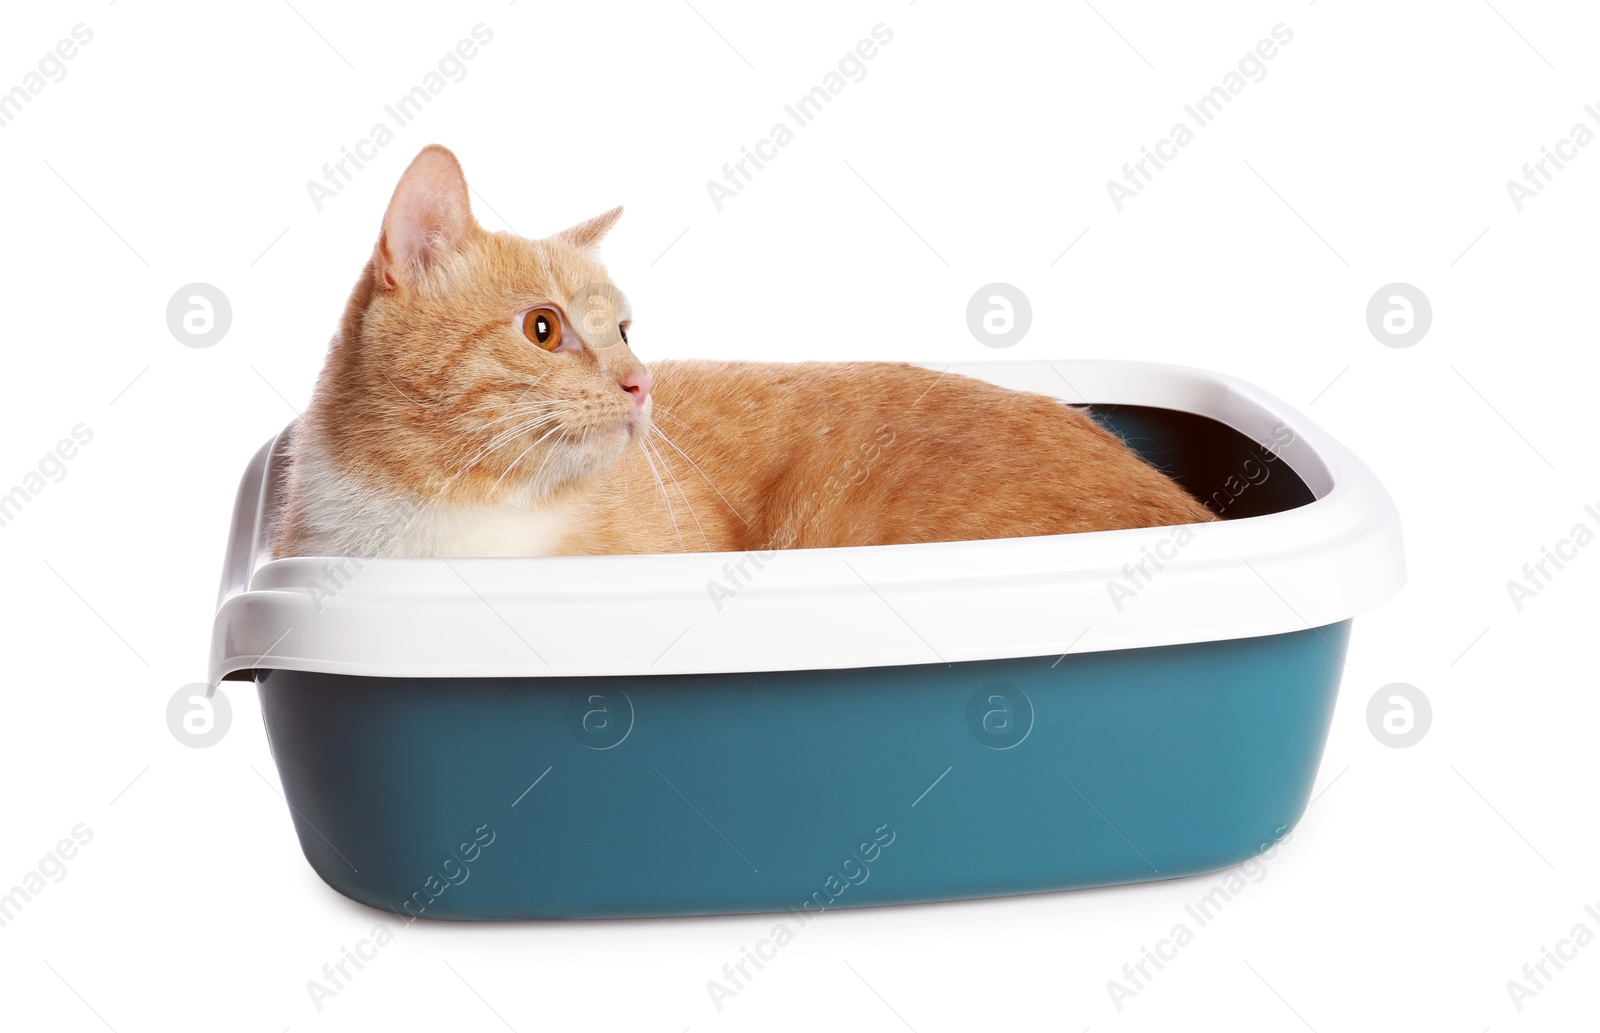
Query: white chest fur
{"points": [[497, 531], [343, 519]]}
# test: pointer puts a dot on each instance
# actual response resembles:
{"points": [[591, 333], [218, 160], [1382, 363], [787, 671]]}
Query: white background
{"points": [[177, 149]]}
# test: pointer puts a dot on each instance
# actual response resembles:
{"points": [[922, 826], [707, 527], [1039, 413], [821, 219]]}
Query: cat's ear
{"points": [[428, 217], [586, 235]]}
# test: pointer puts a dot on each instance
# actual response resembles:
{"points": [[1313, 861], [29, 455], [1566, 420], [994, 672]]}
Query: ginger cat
{"points": [[481, 399]]}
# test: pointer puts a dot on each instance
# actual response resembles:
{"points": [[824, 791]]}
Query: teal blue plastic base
{"points": [[617, 797]]}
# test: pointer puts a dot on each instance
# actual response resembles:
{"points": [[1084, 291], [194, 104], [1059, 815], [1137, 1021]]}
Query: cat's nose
{"points": [[638, 385]]}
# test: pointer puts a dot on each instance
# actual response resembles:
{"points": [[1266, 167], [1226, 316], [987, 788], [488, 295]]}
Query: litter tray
{"points": [[592, 737]]}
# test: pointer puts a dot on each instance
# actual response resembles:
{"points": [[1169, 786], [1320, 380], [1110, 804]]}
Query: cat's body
{"points": [[809, 455], [436, 432]]}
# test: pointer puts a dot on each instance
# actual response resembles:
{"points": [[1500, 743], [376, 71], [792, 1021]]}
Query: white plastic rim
{"points": [[816, 609]]}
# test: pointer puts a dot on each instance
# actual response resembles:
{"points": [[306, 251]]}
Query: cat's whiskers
{"points": [[514, 404], [501, 440], [664, 497], [654, 429], [531, 414], [676, 483], [521, 411], [660, 410], [513, 465], [535, 480], [487, 449]]}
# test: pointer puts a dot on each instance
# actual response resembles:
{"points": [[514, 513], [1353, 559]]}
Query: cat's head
{"points": [[478, 366]]}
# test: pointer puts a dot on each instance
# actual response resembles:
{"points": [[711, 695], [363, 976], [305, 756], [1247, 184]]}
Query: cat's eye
{"points": [[622, 328], [542, 326]]}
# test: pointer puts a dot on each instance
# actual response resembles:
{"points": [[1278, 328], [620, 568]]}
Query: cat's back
{"points": [[853, 453]]}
